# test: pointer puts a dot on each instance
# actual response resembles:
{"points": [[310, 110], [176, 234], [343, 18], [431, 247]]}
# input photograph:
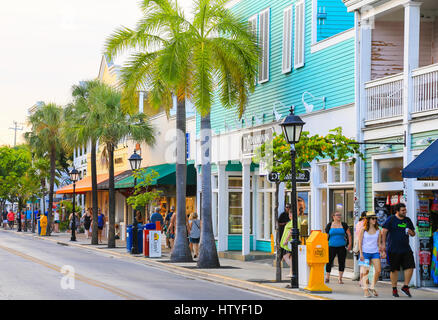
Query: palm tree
{"points": [[214, 45], [45, 136], [165, 67], [79, 128], [116, 125]]}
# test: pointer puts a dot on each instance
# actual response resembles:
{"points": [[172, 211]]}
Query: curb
{"points": [[281, 293]]}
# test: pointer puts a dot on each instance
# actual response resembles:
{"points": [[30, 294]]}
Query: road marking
{"points": [[120, 292]]}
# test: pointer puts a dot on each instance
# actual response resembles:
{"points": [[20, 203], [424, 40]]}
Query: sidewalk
{"points": [[257, 276]]}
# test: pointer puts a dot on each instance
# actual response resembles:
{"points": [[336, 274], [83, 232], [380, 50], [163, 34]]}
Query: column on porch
{"points": [[410, 62], [222, 226], [246, 205]]}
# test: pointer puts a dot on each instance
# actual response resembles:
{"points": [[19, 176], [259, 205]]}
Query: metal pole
{"points": [[295, 232], [73, 224], [134, 248]]}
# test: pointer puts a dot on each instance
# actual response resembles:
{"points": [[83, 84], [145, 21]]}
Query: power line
{"points": [[15, 128]]}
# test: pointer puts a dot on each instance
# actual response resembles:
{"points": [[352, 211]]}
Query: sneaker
{"points": [[405, 290], [395, 293]]}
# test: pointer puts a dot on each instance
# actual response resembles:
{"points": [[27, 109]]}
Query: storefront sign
{"points": [[253, 140], [301, 177]]}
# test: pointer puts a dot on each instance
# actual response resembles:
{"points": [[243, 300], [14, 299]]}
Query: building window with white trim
{"points": [[287, 40]]}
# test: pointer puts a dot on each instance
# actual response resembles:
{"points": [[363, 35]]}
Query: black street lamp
{"points": [[135, 162], [292, 126], [74, 176]]}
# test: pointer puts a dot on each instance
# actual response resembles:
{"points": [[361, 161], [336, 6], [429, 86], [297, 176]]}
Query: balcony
{"points": [[384, 96]]}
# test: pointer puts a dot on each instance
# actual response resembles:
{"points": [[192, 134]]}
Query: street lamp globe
{"points": [[135, 161], [292, 127], [74, 175]]}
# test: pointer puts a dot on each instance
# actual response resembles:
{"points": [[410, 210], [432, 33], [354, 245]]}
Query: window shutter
{"points": [[287, 40], [252, 25], [264, 46], [299, 34]]}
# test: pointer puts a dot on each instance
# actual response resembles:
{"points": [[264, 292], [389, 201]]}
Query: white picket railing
{"points": [[384, 97], [425, 88]]}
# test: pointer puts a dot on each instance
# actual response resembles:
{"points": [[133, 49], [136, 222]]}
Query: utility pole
{"points": [[15, 128]]}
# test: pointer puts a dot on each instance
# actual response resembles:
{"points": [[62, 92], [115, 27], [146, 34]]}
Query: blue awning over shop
{"points": [[425, 165]]}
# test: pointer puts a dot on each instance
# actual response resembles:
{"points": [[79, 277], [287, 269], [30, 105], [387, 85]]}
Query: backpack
{"points": [[344, 225]]}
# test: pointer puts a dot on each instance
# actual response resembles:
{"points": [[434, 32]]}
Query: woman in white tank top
{"points": [[370, 249]]}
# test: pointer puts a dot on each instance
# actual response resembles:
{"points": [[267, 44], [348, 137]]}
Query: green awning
{"points": [[166, 176]]}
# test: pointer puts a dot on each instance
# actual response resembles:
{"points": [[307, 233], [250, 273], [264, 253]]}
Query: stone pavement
{"points": [[257, 276]]}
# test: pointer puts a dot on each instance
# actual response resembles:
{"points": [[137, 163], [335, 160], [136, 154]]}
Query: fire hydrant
{"points": [[43, 224]]}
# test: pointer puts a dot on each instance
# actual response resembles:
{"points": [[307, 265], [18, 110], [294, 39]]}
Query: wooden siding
{"points": [[416, 137], [264, 246], [235, 242], [337, 20], [435, 43], [369, 152], [388, 47], [329, 73]]}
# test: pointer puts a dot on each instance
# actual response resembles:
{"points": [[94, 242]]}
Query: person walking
{"points": [[194, 229], [338, 232], [357, 229], [283, 219], [167, 225], [100, 224], [370, 249], [396, 231], [284, 242], [5, 219], [11, 219], [56, 221], [77, 221], [156, 216], [87, 222]]}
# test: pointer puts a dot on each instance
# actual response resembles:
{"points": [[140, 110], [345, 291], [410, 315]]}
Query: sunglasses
{"points": [[374, 218]]}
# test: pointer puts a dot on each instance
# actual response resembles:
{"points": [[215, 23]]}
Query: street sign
{"points": [[301, 177]]}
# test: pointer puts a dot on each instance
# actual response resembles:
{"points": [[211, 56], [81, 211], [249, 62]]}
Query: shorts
{"points": [[371, 256], [5, 221], [56, 221], [194, 240], [100, 228], [172, 236], [404, 260]]}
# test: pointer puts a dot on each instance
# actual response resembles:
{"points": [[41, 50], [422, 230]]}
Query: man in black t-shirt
{"points": [[396, 231]]}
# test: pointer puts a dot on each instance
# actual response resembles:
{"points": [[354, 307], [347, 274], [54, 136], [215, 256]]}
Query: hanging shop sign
{"points": [[252, 140]]}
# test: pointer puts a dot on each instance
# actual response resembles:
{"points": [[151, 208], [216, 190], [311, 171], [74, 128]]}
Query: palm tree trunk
{"points": [[52, 184], [181, 251], [111, 199], [94, 235], [208, 257]]}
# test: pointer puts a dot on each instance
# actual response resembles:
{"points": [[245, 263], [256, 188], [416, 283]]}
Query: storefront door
{"points": [[343, 202]]}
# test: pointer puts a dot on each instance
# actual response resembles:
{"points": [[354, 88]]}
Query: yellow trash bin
{"points": [[43, 224], [317, 256]]}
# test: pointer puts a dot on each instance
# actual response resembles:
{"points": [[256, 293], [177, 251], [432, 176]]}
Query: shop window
{"points": [[234, 182], [235, 211], [389, 170], [215, 182], [349, 170], [261, 182], [323, 173], [323, 207], [336, 173]]}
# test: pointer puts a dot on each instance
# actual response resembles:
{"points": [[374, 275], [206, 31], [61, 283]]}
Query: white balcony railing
{"points": [[425, 88], [384, 97]]}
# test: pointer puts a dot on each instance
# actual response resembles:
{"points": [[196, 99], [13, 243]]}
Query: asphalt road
{"points": [[38, 269]]}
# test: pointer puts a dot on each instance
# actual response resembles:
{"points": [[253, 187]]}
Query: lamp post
{"points": [[74, 176], [135, 162], [292, 126]]}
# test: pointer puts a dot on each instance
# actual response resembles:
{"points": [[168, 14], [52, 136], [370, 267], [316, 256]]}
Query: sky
{"points": [[46, 46]]}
